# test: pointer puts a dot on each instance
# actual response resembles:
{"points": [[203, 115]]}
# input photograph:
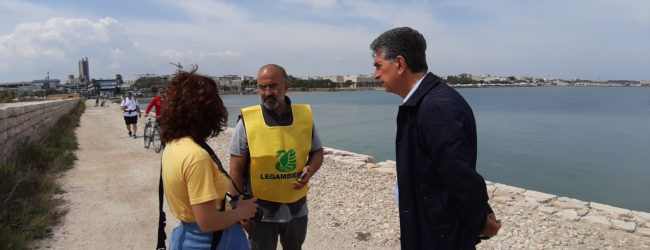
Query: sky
{"points": [[568, 39]]}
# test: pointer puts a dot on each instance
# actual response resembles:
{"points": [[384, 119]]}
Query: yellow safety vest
{"points": [[278, 154]]}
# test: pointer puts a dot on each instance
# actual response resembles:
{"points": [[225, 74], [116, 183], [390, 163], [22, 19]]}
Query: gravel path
{"points": [[112, 202]]}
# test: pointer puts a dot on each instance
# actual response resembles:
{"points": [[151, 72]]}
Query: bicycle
{"points": [[152, 134]]}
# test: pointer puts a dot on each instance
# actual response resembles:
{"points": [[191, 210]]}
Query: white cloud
{"points": [[201, 55], [206, 9], [56, 44], [316, 4], [117, 52]]}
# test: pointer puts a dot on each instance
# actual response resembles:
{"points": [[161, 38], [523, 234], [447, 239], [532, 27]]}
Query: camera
{"points": [[247, 196]]}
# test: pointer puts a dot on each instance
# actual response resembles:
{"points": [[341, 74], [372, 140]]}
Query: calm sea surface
{"points": [[587, 143]]}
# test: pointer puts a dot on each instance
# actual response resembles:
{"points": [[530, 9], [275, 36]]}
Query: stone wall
{"points": [[28, 122]]}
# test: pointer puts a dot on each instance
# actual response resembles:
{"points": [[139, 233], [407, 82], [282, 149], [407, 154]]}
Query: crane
{"points": [[178, 65]]}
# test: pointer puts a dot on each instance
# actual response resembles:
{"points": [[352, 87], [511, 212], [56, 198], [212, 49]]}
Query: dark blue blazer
{"points": [[443, 202]]}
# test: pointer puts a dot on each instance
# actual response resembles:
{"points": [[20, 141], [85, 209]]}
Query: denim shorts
{"points": [[189, 236]]}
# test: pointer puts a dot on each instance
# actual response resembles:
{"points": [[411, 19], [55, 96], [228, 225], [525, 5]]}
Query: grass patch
{"points": [[28, 205]]}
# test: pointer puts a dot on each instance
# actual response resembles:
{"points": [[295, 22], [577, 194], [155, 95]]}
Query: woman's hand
{"points": [[246, 208]]}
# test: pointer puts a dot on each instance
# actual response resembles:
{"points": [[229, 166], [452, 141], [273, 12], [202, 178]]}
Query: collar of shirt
{"points": [[272, 119], [415, 87]]}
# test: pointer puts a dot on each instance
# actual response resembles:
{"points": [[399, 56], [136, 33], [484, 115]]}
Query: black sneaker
{"points": [[130, 134], [135, 136]]}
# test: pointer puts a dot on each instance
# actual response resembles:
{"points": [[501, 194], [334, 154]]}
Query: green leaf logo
{"points": [[286, 160]]}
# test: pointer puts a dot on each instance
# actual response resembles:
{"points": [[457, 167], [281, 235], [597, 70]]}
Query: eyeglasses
{"points": [[270, 86]]}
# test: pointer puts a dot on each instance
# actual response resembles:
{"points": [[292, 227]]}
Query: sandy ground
{"points": [[112, 199]]}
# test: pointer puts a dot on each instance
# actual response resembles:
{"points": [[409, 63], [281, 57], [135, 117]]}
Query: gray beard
{"points": [[272, 105]]}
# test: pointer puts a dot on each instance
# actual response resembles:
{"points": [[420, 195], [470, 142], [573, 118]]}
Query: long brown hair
{"points": [[192, 108]]}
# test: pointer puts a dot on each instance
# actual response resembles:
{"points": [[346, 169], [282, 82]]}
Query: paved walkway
{"points": [[112, 190]]}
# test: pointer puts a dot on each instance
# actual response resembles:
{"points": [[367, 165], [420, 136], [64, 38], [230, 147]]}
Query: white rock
{"points": [[642, 218], [508, 189], [610, 209], [643, 231], [568, 214], [539, 196], [502, 199], [597, 219], [387, 170], [568, 203], [530, 203], [583, 212], [624, 225], [547, 209]]}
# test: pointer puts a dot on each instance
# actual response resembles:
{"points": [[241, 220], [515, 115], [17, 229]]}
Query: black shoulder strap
{"points": [[214, 157], [162, 236], [161, 215], [216, 236]]}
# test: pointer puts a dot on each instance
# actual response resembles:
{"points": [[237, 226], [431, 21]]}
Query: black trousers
{"points": [[264, 235]]}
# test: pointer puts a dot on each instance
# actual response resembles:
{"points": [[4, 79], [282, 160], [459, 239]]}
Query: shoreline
{"points": [[324, 90], [567, 208]]}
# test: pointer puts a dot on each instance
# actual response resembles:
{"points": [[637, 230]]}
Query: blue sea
{"points": [[587, 143]]}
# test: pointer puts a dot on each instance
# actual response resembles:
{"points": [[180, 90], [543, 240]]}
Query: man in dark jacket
{"points": [[443, 202]]}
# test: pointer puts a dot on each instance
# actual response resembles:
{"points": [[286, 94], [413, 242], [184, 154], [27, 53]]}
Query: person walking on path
{"points": [[131, 110], [193, 181], [274, 152], [443, 203]]}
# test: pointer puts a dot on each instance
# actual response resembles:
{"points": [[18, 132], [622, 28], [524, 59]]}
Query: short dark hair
{"points": [[405, 42], [192, 108]]}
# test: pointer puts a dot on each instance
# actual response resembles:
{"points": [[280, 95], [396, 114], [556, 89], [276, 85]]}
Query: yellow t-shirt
{"points": [[190, 177]]}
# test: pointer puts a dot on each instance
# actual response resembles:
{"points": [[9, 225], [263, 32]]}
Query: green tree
{"points": [[151, 83], [6, 96]]}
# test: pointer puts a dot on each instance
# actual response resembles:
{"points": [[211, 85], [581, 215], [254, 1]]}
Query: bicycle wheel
{"points": [[155, 137], [147, 135]]}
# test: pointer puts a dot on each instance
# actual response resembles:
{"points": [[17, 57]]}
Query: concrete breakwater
{"points": [[532, 219], [27, 122]]}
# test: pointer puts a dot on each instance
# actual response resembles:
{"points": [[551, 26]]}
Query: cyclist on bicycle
{"points": [[157, 103]]}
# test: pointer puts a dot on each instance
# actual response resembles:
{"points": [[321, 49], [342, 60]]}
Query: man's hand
{"points": [[492, 226], [302, 182]]}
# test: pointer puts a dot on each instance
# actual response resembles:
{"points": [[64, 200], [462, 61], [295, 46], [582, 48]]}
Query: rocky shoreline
{"points": [[352, 206]]}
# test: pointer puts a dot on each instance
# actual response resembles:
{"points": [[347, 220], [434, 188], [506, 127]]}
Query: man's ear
{"points": [[401, 64]]}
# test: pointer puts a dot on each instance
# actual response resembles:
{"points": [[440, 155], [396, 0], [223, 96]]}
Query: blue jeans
{"points": [[189, 236]]}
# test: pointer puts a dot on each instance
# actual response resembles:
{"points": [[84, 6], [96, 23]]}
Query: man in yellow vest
{"points": [[274, 152]]}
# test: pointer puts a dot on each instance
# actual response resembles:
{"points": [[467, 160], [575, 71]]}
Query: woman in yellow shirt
{"points": [[194, 186]]}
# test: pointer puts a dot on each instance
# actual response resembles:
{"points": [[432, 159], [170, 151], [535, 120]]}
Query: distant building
{"points": [[35, 85], [355, 79], [106, 87], [84, 73], [45, 84], [335, 79], [231, 81]]}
